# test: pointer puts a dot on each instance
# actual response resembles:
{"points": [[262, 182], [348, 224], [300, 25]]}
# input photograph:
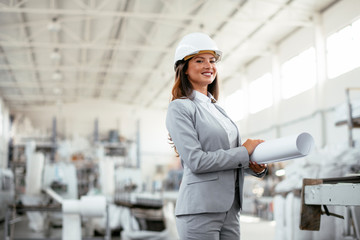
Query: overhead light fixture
{"points": [[55, 55], [54, 25], [57, 76], [57, 91]]}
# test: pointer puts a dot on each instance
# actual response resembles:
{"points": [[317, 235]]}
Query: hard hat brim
{"points": [[216, 55]]}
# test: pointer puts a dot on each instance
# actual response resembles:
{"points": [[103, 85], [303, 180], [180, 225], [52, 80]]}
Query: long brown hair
{"points": [[182, 88]]}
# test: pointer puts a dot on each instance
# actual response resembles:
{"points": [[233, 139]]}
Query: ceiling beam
{"points": [[37, 97], [147, 35], [109, 55], [282, 7], [74, 69], [41, 99], [225, 20], [103, 4], [9, 70], [195, 9], [50, 86], [85, 45], [31, 53], [137, 15], [83, 55], [81, 4]]}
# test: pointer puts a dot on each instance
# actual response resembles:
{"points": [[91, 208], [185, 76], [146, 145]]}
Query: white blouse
{"points": [[224, 121]]}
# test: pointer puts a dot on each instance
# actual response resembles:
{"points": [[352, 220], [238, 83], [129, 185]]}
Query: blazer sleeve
{"points": [[251, 172], [181, 127]]}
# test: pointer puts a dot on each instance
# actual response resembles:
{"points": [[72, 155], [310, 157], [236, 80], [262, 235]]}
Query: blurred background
{"points": [[84, 90]]}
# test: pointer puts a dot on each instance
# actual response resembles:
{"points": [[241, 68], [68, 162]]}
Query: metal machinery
{"points": [[72, 211], [351, 121], [342, 191], [47, 190], [7, 192], [318, 193]]}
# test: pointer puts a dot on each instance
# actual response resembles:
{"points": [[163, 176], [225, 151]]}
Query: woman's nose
{"points": [[207, 64]]}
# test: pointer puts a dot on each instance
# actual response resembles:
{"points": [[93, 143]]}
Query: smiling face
{"points": [[202, 71]]}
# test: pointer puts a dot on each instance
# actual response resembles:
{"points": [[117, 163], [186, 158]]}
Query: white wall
{"points": [[303, 112]]}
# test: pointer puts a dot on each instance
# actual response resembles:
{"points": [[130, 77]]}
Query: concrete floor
{"points": [[252, 228]]}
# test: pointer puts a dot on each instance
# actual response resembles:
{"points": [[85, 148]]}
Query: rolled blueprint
{"points": [[282, 149]]}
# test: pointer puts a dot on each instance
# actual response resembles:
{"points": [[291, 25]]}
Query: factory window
{"points": [[235, 105], [298, 74], [261, 93], [343, 50]]}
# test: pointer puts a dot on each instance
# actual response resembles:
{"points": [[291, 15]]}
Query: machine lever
{"points": [[331, 214]]}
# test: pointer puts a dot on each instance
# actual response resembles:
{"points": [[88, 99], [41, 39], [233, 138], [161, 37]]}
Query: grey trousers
{"points": [[211, 226]]}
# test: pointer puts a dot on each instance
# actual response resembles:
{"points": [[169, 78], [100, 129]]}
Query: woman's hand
{"points": [[257, 168], [251, 144]]}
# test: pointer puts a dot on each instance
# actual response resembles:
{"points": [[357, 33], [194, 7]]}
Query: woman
{"points": [[209, 146]]}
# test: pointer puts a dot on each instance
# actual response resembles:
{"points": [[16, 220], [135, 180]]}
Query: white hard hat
{"points": [[194, 43]]}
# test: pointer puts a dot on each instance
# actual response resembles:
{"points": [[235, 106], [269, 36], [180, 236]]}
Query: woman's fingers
{"points": [[256, 167], [251, 144]]}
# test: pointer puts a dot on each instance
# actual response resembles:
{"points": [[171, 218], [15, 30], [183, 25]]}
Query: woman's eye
{"points": [[201, 61]]}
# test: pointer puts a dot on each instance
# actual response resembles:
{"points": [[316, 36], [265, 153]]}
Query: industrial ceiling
{"points": [[64, 51]]}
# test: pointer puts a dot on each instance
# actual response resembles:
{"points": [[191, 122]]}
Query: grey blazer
{"points": [[210, 165]]}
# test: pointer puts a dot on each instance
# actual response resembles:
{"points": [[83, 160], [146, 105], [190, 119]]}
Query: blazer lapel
{"points": [[237, 130]]}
